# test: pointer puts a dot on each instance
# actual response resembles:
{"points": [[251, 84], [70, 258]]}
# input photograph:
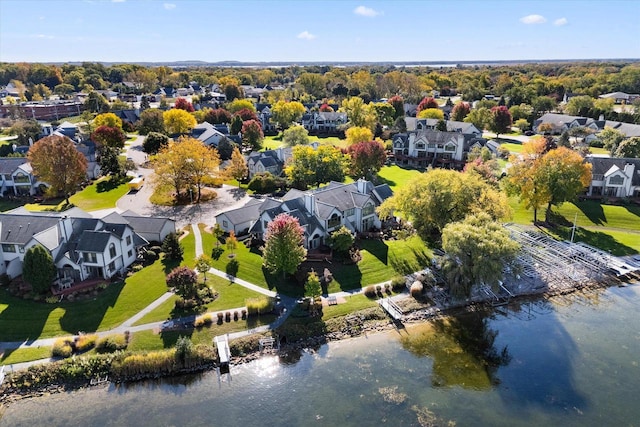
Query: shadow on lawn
{"points": [[109, 184], [22, 320], [406, 265], [593, 211], [595, 238], [376, 247]]}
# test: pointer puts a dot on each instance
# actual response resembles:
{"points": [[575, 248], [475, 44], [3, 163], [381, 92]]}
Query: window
{"points": [[368, 210], [616, 180], [90, 257], [21, 178], [8, 248], [224, 224], [450, 147], [112, 266], [21, 249], [334, 221], [128, 240], [129, 253], [350, 212], [112, 250], [7, 177]]}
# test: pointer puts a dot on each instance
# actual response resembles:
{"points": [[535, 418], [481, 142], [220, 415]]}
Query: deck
{"points": [[224, 354], [391, 307]]}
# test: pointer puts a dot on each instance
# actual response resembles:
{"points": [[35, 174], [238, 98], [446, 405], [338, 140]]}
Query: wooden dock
{"points": [[391, 307]]}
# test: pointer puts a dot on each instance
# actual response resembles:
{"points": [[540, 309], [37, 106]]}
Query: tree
{"points": [[203, 264], [107, 136], [172, 247], [385, 113], [236, 125], [295, 135], [398, 104], [341, 240], [232, 91], [252, 134], [237, 168], [154, 142], [178, 122], [217, 116], [314, 167], [431, 113], [38, 268], [231, 242], [400, 125], [247, 114], [144, 103], [325, 108], [358, 134], [367, 158], [579, 105], [427, 103], [438, 197], [151, 120], [110, 161], [283, 250], [477, 250], [183, 281], [185, 164], [240, 104], [107, 119], [56, 161], [313, 84], [27, 131], [460, 111], [611, 138], [96, 103], [312, 287], [629, 148], [225, 148], [183, 104], [522, 124], [500, 120], [480, 118], [359, 113], [286, 113]]}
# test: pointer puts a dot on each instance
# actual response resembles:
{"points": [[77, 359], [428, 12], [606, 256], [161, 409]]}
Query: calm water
{"points": [[571, 361]]}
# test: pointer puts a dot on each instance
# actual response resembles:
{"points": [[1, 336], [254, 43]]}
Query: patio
{"points": [[66, 286]]}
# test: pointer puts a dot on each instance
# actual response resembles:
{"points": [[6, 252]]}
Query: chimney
{"points": [[361, 184], [601, 118], [310, 203]]}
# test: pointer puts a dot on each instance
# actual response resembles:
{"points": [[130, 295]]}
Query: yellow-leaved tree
{"points": [[178, 122]]}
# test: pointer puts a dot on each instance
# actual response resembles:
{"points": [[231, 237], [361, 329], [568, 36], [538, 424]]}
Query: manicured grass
{"points": [[354, 303], [381, 260], [395, 176], [23, 320], [150, 340], [7, 205], [513, 148], [590, 214], [616, 242], [230, 296], [25, 355], [598, 150], [188, 243], [271, 143]]}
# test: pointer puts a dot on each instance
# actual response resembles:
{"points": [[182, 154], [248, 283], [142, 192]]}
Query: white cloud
{"points": [[366, 11], [118, 1], [560, 22], [306, 35], [169, 6], [533, 19], [43, 36]]}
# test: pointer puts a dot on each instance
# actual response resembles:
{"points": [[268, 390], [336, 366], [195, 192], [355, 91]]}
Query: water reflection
{"points": [[462, 348]]}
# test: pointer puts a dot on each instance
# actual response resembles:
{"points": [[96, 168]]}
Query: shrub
{"points": [[220, 318], [244, 314], [259, 305], [149, 256], [51, 300], [416, 290], [62, 348], [217, 252], [5, 280], [227, 316], [370, 292], [137, 268], [86, 342], [387, 288], [235, 315], [111, 343], [398, 283]]}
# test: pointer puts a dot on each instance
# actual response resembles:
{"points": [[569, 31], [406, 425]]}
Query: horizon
{"points": [[67, 31]]}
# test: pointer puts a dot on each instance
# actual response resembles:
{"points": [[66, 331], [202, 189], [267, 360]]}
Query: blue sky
{"points": [[329, 30]]}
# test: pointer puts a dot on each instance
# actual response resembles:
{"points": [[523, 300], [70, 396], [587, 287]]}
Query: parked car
{"points": [[529, 133]]}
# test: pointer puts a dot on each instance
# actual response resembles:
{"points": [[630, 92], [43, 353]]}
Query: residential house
{"points": [[562, 122], [621, 97], [319, 212], [614, 177], [208, 134], [324, 122], [264, 115], [17, 177], [43, 110], [82, 247], [128, 116], [272, 161]]}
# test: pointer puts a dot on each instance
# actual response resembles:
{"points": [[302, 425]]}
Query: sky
{"points": [[315, 30]]}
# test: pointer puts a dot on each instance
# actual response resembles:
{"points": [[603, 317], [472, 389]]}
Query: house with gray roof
{"points": [[426, 147], [207, 133], [614, 177], [81, 247], [621, 97], [562, 122], [320, 212], [16, 177], [271, 161]]}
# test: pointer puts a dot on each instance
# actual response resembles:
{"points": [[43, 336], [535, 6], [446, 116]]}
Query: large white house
{"points": [[319, 212], [614, 177], [82, 247]]}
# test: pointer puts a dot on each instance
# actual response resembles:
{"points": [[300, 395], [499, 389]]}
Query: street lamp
{"points": [[191, 194]]}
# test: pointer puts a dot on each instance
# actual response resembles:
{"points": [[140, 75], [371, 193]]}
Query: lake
{"points": [[571, 361]]}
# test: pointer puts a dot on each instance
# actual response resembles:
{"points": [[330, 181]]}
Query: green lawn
{"points": [[395, 176], [380, 262], [230, 295], [24, 355], [513, 148], [354, 303], [23, 320]]}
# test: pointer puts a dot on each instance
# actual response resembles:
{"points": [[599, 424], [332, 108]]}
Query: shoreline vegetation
{"points": [[121, 367]]}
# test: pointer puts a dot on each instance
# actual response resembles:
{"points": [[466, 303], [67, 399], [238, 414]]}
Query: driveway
{"points": [[229, 197]]}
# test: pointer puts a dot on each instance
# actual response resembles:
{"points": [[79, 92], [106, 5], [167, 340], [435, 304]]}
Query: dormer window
{"points": [[616, 180], [368, 210]]}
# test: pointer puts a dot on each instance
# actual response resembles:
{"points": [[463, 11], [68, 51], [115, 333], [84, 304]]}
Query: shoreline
{"points": [[356, 326]]}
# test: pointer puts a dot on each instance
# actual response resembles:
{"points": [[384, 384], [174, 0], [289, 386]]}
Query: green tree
{"points": [[203, 264], [96, 103], [38, 269], [295, 135], [172, 247], [283, 250], [237, 168], [579, 105], [151, 120], [438, 197], [154, 142], [385, 113], [477, 250], [629, 148], [184, 281], [431, 113], [313, 84], [26, 130], [522, 124], [231, 242], [309, 166], [286, 113], [56, 161], [312, 287], [611, 138], [236, 125], [500, 120], [178, 122], [480, 118], [341, 240], [359, 113]]}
